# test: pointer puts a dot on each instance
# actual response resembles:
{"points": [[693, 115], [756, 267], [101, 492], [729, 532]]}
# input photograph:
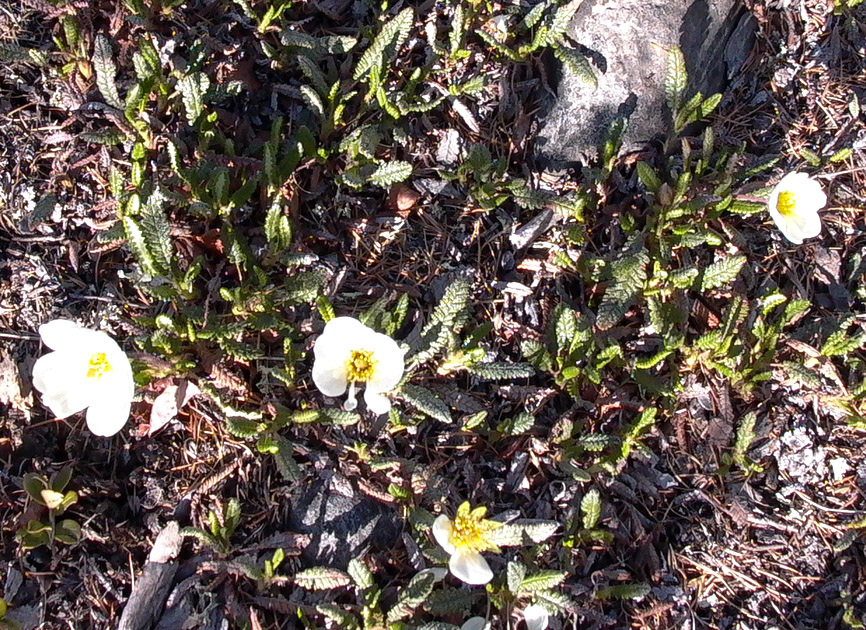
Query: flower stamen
{"points": [[98, 366], [469, 531], [787, 203], [360, 366]]}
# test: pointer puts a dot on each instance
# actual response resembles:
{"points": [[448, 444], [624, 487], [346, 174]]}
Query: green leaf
{"points": [[628, 275], [590, 506], [342, 618], [425, 401], [103, 63], [746, 208], [388, 173], [577, 63], [192, 89], [515, 574], [360, 574], [676, 78], [519, 424], [722, 272], [648, 176], [392, 36], [501, 371], [542, 581], [68, 532], [277, 228], [312, 100], [138, 245], [242, 427], [322, 578], [156, 232], [411, 597]]}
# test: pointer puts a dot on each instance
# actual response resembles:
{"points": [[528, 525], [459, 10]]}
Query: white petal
{"points": [[377, 403], [442, 532], [108, 413], [330, 376], [536, 617], [61, 378], [474, 623], [59, 333], [390, 362], [341, 335], [470, 567]]}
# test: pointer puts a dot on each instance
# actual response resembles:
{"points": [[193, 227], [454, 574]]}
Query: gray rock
{"points": [[627, 42], [341, 524]]}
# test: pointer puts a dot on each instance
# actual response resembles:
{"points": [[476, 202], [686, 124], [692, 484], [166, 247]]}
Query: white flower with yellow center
{"points": [[465, 538], [348, 354], [794, 205], [86, 370]]}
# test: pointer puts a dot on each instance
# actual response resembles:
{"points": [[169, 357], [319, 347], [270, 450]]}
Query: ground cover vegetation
{"points": [[622, 384]]}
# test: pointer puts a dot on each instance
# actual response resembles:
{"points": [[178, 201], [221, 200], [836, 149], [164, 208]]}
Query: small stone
{"points": [[340, 527], [627, 42]]}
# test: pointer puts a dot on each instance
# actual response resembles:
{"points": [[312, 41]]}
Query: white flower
{"points": [[86, 370], [348, 353], [464, 539], [536, 617], [794, 205], [475, 623]]}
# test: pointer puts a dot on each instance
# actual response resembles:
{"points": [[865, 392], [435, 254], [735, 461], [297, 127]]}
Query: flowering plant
{"points": [[794, 205], [87, 370], [465, 538], [348, 353]]}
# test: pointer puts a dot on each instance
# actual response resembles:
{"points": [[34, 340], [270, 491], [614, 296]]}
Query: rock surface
{"points": [[627, 43], [341, 523]]}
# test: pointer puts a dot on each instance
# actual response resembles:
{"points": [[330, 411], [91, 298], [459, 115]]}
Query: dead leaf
{"points": [[169, 402], [10, 385], [402, 198]]}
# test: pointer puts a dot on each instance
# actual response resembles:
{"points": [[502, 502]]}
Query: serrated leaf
{"points": [[192, 89], [156, 232], [242, 427], [517, 425], [578, 64], [278, 230], [322, 578], [722, 272], [515, 573], [392, 36], [411, 597], [676, 78], [590, 507], [555, 602], [425, 401], [103, 63], [202, 536], [343, 618], [448, 601], [135, 239], [501, 371], [393, 172], [360, 574], [628, 275], [543, 581], [312, 100]]}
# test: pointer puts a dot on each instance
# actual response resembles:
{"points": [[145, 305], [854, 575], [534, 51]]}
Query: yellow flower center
{"points": [[98, 366], [469, 531], [360, 366], [786, 203]]}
